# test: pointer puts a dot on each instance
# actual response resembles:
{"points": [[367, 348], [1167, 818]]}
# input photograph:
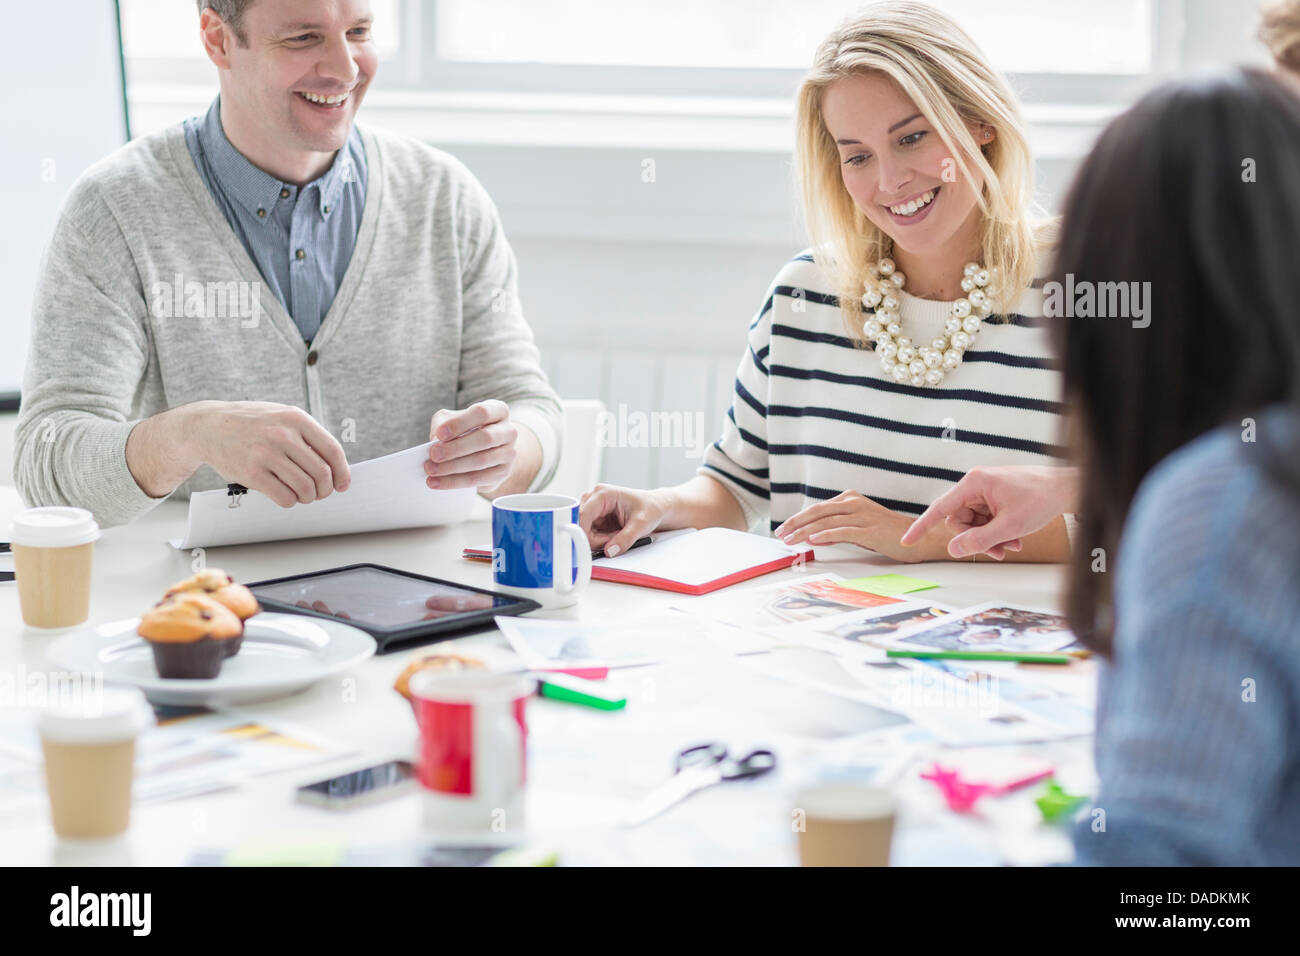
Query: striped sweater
{"points": [[813, 416]]}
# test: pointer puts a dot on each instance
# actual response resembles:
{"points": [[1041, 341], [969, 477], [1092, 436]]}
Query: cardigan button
{"points": [[312, 357]]}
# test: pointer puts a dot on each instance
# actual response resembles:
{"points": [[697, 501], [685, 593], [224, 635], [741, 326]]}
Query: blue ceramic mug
{"points": [[539, 550]]}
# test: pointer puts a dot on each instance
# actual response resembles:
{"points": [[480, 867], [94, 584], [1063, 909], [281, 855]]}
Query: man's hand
{"points": [[441, 605], [992, 509], [851, 518], [473, 448], [278, 450]]}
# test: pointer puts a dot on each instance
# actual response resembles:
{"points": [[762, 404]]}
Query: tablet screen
{"points": [[377, 598]]}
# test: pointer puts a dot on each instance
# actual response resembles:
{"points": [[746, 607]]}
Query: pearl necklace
{"points": [[925, 364]]}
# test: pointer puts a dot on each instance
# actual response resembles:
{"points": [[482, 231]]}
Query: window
{"points": [[168, 30], [1021, 36], [1071, 50], [710, 72]]}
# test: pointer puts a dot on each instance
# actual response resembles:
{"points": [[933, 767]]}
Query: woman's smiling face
{"points": [[895, 166]]}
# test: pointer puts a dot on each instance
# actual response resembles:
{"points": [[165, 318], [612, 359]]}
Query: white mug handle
{"points": [[574, 533]]}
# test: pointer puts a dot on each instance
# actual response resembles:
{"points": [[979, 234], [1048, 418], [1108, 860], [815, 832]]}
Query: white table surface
{"points": [[583, 764]]}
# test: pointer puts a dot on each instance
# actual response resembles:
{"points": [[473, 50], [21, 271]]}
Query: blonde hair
{"points": [[1279, 30], [946, 76]]}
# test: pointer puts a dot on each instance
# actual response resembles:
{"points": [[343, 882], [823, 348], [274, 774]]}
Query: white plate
{"points": [[282, 654]]}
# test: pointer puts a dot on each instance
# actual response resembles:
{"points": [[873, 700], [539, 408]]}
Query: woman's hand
{"points": [[991, 509], [853, 518], [613, 517]]}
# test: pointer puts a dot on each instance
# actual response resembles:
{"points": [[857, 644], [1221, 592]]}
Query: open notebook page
{"points": [[695, 558]]}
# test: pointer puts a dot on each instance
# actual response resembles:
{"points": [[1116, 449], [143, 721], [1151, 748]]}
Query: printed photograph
{"points": [[995, 627], [886, 627]]}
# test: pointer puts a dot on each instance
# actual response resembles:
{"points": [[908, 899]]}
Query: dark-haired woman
{"points": [[1189, 435]]}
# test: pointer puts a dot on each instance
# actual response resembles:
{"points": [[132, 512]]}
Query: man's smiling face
{"points": [[302, 72]]}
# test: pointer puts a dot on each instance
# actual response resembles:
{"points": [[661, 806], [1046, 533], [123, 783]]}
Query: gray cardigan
{"points": [[147, 300]]}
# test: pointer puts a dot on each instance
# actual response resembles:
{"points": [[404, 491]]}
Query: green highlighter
{"points": [[579, 690], [1027, 657]]}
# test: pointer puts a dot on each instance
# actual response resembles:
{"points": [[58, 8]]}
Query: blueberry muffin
{"points": [[221, 587], [189, 634]]}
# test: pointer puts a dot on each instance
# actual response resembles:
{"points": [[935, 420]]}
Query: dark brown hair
{"points": [[1196, 190]]}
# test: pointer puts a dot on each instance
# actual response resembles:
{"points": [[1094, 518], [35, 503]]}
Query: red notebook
{"points": [[693, 562]]}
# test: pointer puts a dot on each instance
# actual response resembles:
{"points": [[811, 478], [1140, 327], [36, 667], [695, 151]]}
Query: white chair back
{"points": [[583, 455]]}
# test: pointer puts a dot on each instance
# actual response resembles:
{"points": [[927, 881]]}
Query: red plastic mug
{"points": [[472, 756]]}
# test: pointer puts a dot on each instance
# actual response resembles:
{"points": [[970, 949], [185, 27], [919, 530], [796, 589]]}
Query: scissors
{"points": [[696, 768]]}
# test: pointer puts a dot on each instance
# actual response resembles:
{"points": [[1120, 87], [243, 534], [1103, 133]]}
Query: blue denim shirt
{"points": [[1198, 717], [301, 239]]}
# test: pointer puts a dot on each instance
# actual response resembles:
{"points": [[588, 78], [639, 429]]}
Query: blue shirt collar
{"points": [[255, 189]]}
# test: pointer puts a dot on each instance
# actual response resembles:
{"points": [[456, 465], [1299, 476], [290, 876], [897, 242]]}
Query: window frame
{"points": [[433, 73], [411, 70]]}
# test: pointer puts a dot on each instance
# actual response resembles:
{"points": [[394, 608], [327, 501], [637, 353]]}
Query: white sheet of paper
{"points": [[384, 493], [548, 643], [698, 557], [971, 703]]}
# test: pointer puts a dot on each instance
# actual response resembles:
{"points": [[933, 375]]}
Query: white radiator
{"points": [[662, 409]]}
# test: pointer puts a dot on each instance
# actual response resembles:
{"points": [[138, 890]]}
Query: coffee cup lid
{"points": [[53, 528], [846, 801], [97, 716]]}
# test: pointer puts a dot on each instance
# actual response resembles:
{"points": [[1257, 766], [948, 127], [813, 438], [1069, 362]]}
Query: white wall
{"points": [[652, 327], [62, 109]]}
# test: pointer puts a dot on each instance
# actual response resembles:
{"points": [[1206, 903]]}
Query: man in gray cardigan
{"points": [[268, 292]]}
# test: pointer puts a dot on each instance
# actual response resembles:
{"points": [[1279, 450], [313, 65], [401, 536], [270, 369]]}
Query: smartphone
{"points": [[360, 787]]}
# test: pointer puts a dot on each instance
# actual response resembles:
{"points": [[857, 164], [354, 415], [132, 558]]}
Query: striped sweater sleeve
{"points": [[738, 460]]}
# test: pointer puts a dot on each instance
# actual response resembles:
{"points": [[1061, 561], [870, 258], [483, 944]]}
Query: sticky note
{"points": [[889, 585], [1056, 804], [305, 851]]}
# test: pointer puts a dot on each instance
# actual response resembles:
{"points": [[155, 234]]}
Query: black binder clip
{"points": [[235, 492]]}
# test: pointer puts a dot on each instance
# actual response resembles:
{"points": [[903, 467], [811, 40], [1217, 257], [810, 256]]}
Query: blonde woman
{"points": [[906, 347]]}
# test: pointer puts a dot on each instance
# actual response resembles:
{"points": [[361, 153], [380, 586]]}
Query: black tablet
{"points": [[398, 609]]}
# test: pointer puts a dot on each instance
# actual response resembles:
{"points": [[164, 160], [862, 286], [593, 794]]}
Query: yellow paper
{"points": [[888, 585]]}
